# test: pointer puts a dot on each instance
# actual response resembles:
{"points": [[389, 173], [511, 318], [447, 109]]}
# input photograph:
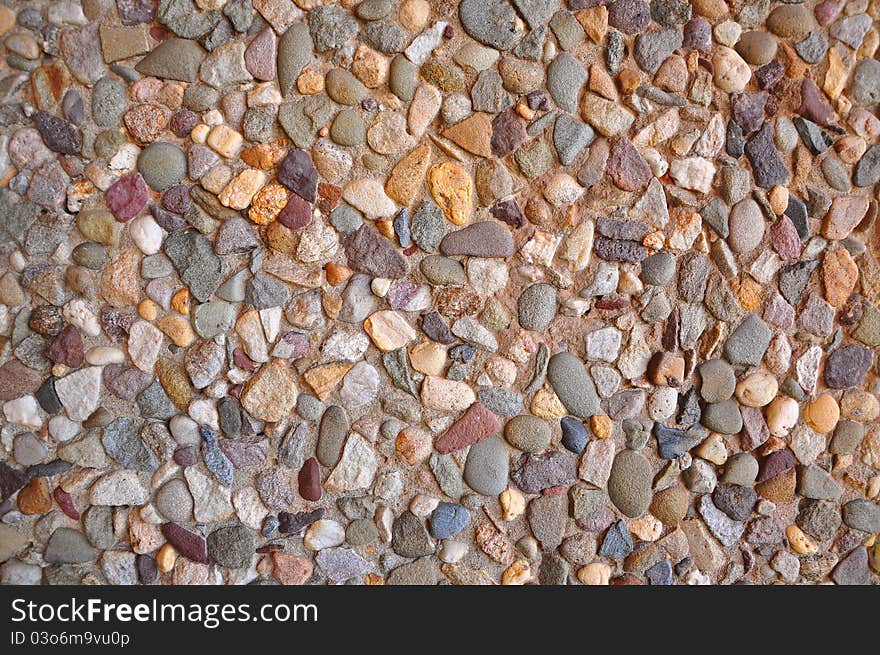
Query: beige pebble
{"points": [[595, 574], [757, 389]]}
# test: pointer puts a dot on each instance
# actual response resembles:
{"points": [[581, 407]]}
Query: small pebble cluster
{"points": [[419, 292]]}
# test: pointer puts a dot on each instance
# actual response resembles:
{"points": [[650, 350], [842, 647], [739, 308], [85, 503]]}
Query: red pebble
{"points": [[310, 480], [65, 502]]}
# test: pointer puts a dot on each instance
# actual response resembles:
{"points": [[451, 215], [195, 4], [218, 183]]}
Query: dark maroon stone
{"points": [[476, 424], [186, 456], [509, 212], [11, 480], [369, 252], [146, 567], [58, 135], [294, 522], [785, 239], [814, 104], [748, 111], [65, 502], [242, 361], [629, 16], [769, 74], [297, 213], [768, 169], [67, 348], [775, 463], [188, 544], [177, 199], [508, 133], [538, 101], [182, 122], [167, 220], [613, 302], [436, 329], [127, 197], [298, 174], [626, 166], [847, 365], [309, 480]]}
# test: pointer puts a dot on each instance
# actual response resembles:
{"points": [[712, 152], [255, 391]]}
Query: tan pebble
{"points": [[778, 198], [757, 389], [165, 558], [452, 189], [782, 414], [385, 227], [859, 405], [601, 426], [337, 273], [545, 404], [310, 82], [646, 528], [180, 301], [850, 148], [595, 574], [839, 276], [513, 503], [594, 20], [601, 83], [630, 79], [517, 573], [428, 357], [389, 330], [713, 449], [148, 310], [224, 140], [268, 203], [35, 497], [7, 19], [177, 329], [799, 541], [413, 445], [822, 413], [414, 14], [265, 155], [240, 190]]}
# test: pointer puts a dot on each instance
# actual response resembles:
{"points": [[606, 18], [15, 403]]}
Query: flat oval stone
{"points": [[629, 485], [483, 239], [528, 433], [573, 385], [487, 466]]}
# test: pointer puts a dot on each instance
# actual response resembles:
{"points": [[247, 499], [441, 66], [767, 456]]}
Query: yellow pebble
{"points": [[595, 574], [822, 413], [517, 573], [778, 197], [148, 310], [601, 426], [165, 558], [513, 503], [799, 541], [546, 405], [310, 82], [180, 301]]}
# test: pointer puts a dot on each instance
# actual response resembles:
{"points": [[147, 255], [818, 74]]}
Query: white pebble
{"points": [[146, 234]]}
